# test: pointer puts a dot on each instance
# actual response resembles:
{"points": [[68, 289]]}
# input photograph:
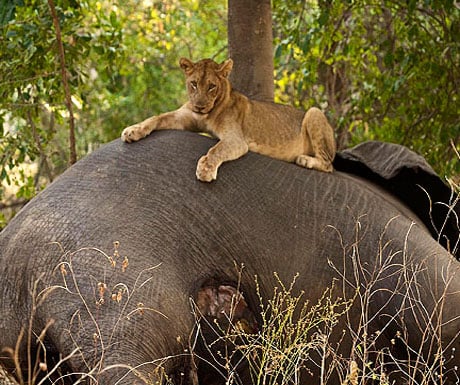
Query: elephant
{"points": [[120, 271]]}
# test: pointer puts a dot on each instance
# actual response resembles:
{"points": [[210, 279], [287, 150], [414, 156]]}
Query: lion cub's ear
{"points": [[186, 65], [225, 68]]}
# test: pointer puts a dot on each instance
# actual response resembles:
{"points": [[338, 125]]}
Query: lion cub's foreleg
{"points": [[319, 135], [139, 130], [181, 119], [230, 147]]}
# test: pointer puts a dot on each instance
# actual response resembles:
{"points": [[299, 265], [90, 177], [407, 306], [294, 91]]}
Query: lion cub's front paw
{"points": [[133, 133], [205, 170]]}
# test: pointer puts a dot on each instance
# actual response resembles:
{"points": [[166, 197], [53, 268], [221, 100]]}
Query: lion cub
{"points": [[241, 124]]}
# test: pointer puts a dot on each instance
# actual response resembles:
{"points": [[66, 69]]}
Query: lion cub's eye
{"points": [[193, 84], [211, 87]]}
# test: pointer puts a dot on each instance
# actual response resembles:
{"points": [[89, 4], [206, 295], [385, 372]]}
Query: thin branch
{"points": [[65, 81], [27, 80]]}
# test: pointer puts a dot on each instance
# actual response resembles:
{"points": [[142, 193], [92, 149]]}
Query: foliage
{"points": [[32, 104], [383, 70]]}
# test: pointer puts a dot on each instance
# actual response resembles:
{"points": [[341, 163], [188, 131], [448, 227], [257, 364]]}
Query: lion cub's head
{"points": [[207, 82]]}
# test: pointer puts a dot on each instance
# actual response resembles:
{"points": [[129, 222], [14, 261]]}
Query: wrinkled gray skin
{"points": [[269, 215]]}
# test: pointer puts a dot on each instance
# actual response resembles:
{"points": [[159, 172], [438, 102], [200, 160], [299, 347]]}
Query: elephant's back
{"points": [[146, 197]]}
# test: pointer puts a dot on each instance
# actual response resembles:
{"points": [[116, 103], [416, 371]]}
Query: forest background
{"points": [[74, 73]]}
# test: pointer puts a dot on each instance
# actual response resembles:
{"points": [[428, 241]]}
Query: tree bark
{"points": [[250, 41]]}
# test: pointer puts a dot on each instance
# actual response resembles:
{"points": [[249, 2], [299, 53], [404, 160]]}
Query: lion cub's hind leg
{"points": [[320, 148]]}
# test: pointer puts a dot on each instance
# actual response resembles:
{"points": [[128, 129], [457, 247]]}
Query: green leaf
{"points": [[278, 51], [113, 19], [8, 10]]}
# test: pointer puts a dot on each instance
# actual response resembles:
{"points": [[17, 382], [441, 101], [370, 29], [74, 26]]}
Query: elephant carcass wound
{"points": [[100, 268]]}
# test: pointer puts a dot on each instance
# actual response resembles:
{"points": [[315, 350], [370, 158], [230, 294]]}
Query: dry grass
{"points": [[296, 335]]}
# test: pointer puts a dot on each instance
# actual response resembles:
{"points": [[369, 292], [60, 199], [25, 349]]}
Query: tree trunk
{"points": [[250, 41]]}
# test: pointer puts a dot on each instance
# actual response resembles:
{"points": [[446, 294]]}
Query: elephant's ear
{"points": [[410, 178]]}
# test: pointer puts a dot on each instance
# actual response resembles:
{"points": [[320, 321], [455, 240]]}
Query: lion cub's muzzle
{"points": [[202, 109]]}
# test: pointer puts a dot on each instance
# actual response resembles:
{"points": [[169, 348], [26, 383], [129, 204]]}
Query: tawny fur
{"points": [[241, 124]]}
